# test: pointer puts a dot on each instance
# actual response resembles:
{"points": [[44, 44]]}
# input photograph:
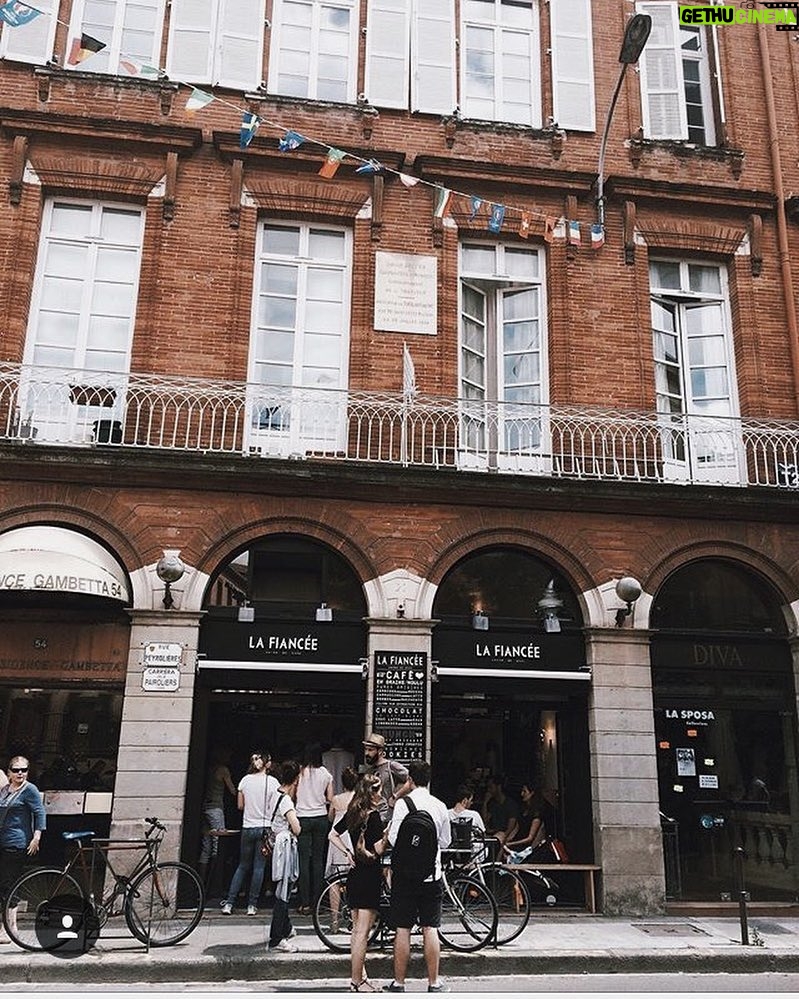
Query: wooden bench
{"points": [[589, 872]]}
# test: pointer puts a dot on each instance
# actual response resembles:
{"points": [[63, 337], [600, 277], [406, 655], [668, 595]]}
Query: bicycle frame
{"points": [[101, 848]]}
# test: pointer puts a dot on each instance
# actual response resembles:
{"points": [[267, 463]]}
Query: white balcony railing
{"points": [[43, 406]]}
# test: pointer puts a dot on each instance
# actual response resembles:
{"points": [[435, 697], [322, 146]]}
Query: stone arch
{"points": [[333, 537], [530, 541], [759, 563]]}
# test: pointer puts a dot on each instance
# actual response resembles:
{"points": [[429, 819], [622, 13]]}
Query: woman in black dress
{"points": [[366, 872]]}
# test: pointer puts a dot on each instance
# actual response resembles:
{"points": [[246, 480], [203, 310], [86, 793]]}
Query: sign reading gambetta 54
{"points": [[62, 582], [283, 641], [507, 650]]}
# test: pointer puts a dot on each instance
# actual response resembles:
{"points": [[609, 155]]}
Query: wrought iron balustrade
{"points": [[41, 406]]}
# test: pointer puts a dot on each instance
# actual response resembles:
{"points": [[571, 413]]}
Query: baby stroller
{"points": [[542, 888]]}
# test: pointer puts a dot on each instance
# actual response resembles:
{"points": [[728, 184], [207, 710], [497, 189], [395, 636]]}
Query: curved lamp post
{"points": [[635, 36]]}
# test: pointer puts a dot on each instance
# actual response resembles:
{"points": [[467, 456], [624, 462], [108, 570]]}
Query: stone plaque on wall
{"points": [[406, 293]]}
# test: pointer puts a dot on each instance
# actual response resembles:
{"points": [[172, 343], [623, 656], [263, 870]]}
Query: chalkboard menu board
{"points": [[399, 709]]}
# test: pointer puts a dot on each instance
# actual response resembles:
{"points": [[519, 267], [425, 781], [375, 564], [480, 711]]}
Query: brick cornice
{"points": [[447, 168], [158, 137], [645, 189]]}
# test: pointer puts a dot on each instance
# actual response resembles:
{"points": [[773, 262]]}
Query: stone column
{"points": [[624, 786], [155, 732]]}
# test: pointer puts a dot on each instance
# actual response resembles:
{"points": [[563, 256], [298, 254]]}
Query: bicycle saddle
{"points": [[81, 834]]}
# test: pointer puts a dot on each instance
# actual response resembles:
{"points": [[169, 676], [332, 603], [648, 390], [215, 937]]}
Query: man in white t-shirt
{"points": [[418, 903], [257, 796], [463, 813]]}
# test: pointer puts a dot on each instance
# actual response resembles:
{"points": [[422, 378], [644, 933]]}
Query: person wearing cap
{"points": [[393, 775]]}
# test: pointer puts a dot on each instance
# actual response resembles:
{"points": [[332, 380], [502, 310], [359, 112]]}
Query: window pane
{"points": [[277, 312], [53, 357], [323, 351], [706, 350], [666, 348], [521, 368], [281, 241], [663, 317], [58, 328], [473, 368], [478, 259], [521, 336], [521, 263], [709, 382], [326, 284], [66, 260], [275, 346], [63, 295], [73, 220], [273, 374], [104, 360], [520, 304], [112, 299], [121, 226], [279, 278], [704, 279], [474, 335], [321, 317], [704, 319], [664, 274], [326, 245], [116, 265]]}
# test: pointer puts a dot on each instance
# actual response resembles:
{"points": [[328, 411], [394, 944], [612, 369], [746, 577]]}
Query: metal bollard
{"points": [[743, 895]]}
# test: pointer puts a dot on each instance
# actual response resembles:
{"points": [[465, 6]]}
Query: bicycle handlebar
{"points": [[154, 824]]}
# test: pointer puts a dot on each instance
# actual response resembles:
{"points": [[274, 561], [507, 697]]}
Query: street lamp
{"points": [[635, 36]]}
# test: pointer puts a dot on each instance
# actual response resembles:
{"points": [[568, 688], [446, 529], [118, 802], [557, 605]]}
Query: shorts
{"points": [[413, 905]]}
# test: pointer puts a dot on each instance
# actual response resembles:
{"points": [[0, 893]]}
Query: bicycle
{"points": [[474, 857], [162, 902], [468, 914]]}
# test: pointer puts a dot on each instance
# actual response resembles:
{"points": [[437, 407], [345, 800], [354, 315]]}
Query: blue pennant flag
{"points": [[497, 218], [249, 126], [17, 14], [371, 167], [291, 140], [476, 204]]}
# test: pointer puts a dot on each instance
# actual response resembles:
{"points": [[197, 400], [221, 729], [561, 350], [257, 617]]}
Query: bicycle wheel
{"points": [[512, 899], [28, 899], [177, 897], [468, 914], [332, 917]]}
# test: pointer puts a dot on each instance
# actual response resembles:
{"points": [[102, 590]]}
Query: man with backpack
{"points": [[419, 831]]}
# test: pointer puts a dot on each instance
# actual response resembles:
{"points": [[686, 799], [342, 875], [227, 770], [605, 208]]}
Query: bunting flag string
{"points": [[16, 13]]}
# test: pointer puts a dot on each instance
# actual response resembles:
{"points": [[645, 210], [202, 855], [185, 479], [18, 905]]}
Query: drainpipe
{"points": [[782, 221]]}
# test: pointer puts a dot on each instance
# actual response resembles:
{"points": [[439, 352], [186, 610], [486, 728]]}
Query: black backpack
{"points": [[413, 856]]}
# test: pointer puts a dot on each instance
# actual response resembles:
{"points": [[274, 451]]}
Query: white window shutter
{"points": [[662, 99], [240, 45], [32, 42], [191, 35], [388, 53], [573, 65], [433, 56]]}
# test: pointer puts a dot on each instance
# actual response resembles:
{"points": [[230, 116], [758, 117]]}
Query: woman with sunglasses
{"points": [[366, 873], [257, 797], [22, 822]]}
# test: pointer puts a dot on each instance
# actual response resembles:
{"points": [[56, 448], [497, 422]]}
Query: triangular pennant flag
{"points": [[135, 68], [16, 14], [369, 168], [291, 140], [549, 229], [84, 48], [332, 163], [443, 195], [249, 126], [497, 218], [597, 235], [524, 225], [197, 100], [475, 203], [574, 233], [408, 181], [559, 231]]}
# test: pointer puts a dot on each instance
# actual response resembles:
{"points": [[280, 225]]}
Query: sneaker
{"points": [[286, 946], [438, 987], [227, 908], [4, 937], [251, 910], [395, 986], [291, 933]]}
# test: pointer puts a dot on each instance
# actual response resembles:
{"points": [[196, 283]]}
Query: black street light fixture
{"points": [[635, 36]]}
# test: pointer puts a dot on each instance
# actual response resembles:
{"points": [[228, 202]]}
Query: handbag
{"points": [[269, 834], [363, 855]]}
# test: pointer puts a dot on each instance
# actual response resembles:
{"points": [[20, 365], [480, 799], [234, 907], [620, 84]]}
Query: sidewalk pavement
{"points": [[233, 948]]}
